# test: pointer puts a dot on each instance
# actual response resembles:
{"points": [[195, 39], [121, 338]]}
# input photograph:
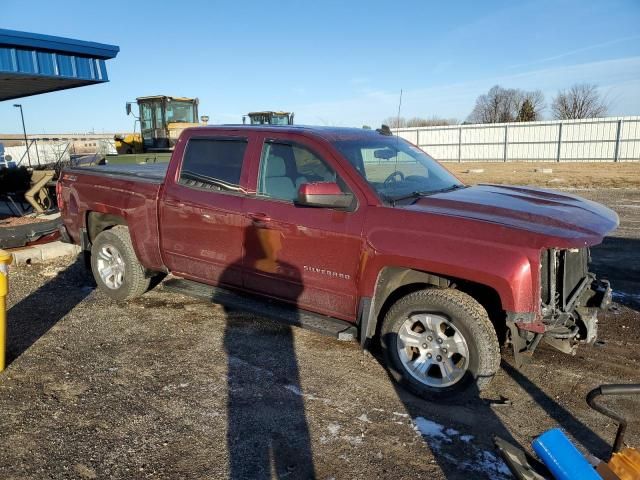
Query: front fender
{"points": [[509, 271]]}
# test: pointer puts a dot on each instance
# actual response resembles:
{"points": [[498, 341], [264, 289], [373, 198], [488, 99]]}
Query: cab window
{"points": [[214, 164], [284, 167]]}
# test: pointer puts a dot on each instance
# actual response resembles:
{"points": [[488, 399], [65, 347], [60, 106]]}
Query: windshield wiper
{"points": [[424, 193]]}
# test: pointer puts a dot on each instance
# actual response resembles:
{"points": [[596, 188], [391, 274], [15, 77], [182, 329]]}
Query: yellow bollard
{"points": [[5, 260]]}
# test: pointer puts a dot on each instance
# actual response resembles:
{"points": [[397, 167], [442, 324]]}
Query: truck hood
{"points": [[570, 220]]}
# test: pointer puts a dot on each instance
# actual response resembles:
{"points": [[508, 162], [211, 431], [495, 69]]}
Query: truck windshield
{"points": [[180, 111], [395, 168]]}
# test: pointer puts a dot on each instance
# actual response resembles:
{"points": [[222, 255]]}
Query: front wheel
{"points": [[115, 266], [440, 343]]}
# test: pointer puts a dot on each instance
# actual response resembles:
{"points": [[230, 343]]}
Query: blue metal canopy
{"points": [[31, 63]]}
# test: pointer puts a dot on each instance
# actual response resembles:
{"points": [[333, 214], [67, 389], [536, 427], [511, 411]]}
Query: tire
{"points": [[113, 249], [438, 318]]}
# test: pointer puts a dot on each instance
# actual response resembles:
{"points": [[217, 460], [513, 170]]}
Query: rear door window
{"points": [[214, 164]]}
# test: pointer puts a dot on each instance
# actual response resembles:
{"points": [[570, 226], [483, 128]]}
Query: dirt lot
{"points": [[562, 175], [170, 387]]}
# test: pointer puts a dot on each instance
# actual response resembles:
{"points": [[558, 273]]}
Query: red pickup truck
{"points": [[353, 231]]}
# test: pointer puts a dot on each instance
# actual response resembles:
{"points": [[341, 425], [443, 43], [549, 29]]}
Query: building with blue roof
{"points": [[32, 63]]}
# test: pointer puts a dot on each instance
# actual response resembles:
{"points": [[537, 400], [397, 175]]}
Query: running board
{"points": [[267, 308]]}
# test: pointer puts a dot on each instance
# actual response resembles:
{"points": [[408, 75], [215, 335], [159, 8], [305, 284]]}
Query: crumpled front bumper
{"points": [[563, 329]]}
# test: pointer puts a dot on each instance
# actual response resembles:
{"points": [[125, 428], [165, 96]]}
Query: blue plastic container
{"points": [[562, 458]]}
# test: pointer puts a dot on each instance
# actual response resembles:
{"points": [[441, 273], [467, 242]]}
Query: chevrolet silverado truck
{"points": [[355, 232]]}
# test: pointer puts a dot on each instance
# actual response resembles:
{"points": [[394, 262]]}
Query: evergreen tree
{"points": [[527, 113]]}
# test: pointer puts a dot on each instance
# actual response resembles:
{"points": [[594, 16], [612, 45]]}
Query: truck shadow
{"points": [[568, 422], [618, 260], [460, 434], [33, 316], [267, 430]]}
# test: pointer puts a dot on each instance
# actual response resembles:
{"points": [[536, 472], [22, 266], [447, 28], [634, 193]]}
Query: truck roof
{"points": [[328, 133]]}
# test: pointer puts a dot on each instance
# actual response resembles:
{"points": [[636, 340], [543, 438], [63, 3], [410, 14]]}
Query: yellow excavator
{"points": [[162, 118]]}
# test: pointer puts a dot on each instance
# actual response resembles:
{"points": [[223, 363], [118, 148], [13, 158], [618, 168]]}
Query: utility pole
{"points": [[24, 130]]}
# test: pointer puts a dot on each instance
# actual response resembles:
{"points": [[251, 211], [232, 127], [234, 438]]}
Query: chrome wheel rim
{"points": [[110, 266], [432, 350]]}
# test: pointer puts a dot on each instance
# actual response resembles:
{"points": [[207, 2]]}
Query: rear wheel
{"points": [[115, 266], [440, 343]]}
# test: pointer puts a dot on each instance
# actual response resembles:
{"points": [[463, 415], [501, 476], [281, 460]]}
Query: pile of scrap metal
{"points": [[30, 233], [30, 195]]}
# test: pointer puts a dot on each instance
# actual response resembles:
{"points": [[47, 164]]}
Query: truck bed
{"points": [[128, 191], [151, 172]]}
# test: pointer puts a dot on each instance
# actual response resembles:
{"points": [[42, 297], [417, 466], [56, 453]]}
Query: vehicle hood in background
{"points": [[545, 212]]}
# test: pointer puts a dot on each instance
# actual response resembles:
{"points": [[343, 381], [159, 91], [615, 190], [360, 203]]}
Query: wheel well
{"points": [[490, 300], [98, 222], [395, 283]]}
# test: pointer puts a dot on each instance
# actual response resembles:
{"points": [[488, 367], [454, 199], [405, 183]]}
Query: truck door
{"points": [[307, 256], [201, 217]]}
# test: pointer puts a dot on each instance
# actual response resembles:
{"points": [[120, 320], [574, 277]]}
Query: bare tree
{"points": [[401, 122], [395, 122], [430, 122], [582, 100], [504, 105]]}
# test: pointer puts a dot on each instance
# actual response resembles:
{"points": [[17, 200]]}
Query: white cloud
{"points": [[574, 52]]}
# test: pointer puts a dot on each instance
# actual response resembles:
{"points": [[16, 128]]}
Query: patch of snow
{"points": [[401, 414], [486, 462], [447, 444], [296, 391], [334, 428], [431, 430], [364, 418], [353, 440]]}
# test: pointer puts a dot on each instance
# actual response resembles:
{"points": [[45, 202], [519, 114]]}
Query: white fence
{"points": [[613, 139]]}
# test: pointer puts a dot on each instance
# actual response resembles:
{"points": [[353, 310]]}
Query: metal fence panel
{"points": [[609, 139]]}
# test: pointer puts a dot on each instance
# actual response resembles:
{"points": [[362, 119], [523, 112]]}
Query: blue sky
{"points": [[332, 62]]}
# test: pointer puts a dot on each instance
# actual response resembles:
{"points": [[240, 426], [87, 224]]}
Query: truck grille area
{"points": [[562, 274]]}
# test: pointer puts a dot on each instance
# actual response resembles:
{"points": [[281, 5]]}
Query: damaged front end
{"points": [[570, 299]]}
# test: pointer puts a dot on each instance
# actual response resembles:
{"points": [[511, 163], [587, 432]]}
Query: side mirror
{"points": [[323, 194], [8, 157], [128, 108]]}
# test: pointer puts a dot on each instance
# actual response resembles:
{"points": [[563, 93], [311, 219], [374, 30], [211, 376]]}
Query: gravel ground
{"points": [[169, 387]]}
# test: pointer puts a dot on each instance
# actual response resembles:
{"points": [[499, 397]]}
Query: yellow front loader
{"points": [[162, 120]]}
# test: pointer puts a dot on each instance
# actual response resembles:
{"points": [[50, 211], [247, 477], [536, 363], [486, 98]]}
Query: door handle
{"points": [[259, 217]]}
